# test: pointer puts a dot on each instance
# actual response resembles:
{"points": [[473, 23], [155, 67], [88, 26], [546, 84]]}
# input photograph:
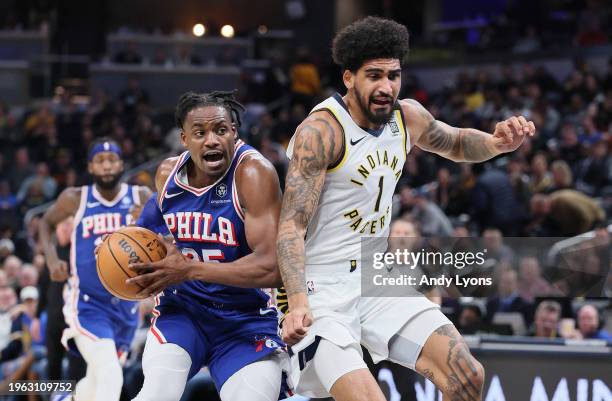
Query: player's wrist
{"points": [[491, 145], [195, 271], [298, 300]]}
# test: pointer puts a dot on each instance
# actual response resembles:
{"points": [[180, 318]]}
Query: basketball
{"points": [[124, 246]]}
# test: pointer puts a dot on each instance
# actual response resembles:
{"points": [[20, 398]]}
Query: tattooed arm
{"points": [[463, 144], [317, 145]]}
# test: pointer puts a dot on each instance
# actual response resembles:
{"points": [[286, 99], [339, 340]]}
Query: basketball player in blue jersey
{"points": [[346, 158], [100, 325], [151, 218], [220, 200]]}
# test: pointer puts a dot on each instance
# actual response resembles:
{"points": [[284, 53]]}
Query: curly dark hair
{"points": [[368, 39], [191, 100]]}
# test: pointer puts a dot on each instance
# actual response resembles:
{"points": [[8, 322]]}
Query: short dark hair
{"points": [[370, 38], [191, 100]]}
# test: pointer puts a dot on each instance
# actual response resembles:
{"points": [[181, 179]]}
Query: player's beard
{"points": [[107, 185], [375, 118]]}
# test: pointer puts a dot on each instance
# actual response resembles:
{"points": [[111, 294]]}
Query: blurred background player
{"points": [[220, 200], [99, 324], [346, 159]]}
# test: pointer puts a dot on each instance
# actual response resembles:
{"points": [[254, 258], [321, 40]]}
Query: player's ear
{"points": [[90, 168], [348, 78], [183, 138], [235, 131]]}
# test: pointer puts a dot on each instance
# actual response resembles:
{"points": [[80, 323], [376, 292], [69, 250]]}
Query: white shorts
{"points": [[344, 318]]}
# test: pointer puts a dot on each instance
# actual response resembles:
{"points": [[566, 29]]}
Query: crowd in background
{"points": [[559, 183]]}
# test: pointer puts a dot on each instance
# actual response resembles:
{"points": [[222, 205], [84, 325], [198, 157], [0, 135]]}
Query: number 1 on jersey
{"points": [[380, 191]]}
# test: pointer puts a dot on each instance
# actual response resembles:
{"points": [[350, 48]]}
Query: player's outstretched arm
{"points": [[463, 144], [65, 206]]}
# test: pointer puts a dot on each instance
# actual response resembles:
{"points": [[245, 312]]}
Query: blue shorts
{"points": [[99, 319], [225, 340]]}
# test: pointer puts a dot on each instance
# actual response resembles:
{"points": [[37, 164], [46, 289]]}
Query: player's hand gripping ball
{"points": [[119, 249]]}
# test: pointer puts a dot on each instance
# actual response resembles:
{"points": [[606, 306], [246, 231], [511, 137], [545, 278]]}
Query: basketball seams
{"points": [[106, 285], [137, 243], [119, 264]]}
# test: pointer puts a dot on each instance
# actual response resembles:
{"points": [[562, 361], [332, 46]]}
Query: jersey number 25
{"points": [[208, 255]]}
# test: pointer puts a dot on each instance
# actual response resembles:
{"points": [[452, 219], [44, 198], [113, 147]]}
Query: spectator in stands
{"points": [[17, 358], [8, 301], [531, 282], [590, 323], [129, 55], [470, 319], [12, 267], [161, 58], [594, 173], [35, 196], [7, 248], [508, 298], [446, 194], [493, 241], [519, 179], [184, 56], [305, 81], [494, 203], [275, 153], [8, 201], [404, 234], [431, 219], [541, 179], [21, 168], [546, 320], [28, 276], [131, 97], [566, 212], [570, 148], [9, 132], [561, 175], [40, 178]]}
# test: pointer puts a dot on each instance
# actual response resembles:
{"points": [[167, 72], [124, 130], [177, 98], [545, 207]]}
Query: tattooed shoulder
{"points": [[318, 140]]}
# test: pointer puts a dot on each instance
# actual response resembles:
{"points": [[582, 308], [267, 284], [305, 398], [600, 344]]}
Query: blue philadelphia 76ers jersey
{"points": [[208, 225], [96, 217]]}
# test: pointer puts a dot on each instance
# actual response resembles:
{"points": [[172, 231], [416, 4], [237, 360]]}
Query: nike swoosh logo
{"points": [[93, 204], [355, 142], [168, 196]]}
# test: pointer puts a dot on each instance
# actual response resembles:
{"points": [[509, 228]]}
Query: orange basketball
{"points": [[124, 246]]}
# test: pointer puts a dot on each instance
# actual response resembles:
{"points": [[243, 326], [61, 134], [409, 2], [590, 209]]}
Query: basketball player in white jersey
{"points": [[346, 158]]}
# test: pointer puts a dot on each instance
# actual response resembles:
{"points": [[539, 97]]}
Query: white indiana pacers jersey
{"points": [[357, 194]]}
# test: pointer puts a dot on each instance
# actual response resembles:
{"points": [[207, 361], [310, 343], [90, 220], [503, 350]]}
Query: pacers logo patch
{"points": [[221, 190]]}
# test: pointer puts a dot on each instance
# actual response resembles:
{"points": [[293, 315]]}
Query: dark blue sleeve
{"points": [[15, 346], [151, 217]]}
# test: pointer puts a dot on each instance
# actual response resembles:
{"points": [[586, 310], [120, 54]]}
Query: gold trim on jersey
{"points": [[398, 117], [344, 148]]}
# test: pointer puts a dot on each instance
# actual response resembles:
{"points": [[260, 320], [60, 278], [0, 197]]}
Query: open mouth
{"points": [[213, 157], [381, 101]]}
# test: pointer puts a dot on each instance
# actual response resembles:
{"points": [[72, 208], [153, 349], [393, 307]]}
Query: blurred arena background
{"points": [[72, 71]]}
